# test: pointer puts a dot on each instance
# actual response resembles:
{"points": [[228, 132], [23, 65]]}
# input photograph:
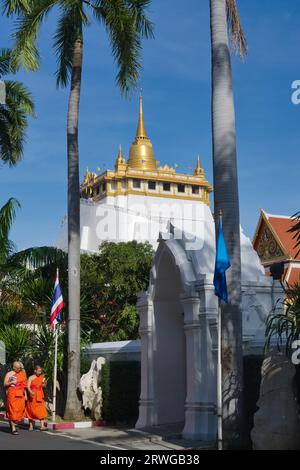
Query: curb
{"points": [[66, 425]]}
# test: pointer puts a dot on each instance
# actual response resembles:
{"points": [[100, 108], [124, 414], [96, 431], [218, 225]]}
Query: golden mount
{"points": [[142, 176]]}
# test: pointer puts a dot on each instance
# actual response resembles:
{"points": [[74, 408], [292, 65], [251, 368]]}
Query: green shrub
{"points": [[121, 391]]}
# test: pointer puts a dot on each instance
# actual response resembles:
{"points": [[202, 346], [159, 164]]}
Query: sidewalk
{"points": [[154, 438]]}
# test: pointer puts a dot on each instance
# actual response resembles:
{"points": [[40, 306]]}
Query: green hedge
{"points": [[121, 391]]}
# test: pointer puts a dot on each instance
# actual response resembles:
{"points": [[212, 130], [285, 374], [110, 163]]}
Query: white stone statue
{"points": [[276, 423], [89, 386]]}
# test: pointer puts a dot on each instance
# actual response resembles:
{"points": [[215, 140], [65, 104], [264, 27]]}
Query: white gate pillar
{"points": [[199, 406], [146, 406]]}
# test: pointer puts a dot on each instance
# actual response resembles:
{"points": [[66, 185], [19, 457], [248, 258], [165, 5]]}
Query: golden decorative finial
{"points": [[198, 170], [141, 154], [120, 161], [88, 182]]}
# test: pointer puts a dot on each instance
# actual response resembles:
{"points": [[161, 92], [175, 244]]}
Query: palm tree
{"points": [[14, 114], [224, 19], [126, 24], [7, 216]]}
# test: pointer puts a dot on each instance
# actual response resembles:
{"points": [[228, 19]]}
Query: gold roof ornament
{"points": [[120, 164], [88, 182], [141, 155], [198, 170]]}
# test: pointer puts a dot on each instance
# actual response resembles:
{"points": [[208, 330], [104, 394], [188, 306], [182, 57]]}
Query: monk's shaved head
{"points": [[17, 365]]}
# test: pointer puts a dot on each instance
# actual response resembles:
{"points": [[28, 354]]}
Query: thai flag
{"points": [[57, 304]]}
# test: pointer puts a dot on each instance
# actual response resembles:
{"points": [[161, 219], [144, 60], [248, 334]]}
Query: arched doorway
{"points": [[169, 348]]}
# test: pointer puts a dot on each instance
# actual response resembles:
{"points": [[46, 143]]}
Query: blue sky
{"points": [[176, 90]]}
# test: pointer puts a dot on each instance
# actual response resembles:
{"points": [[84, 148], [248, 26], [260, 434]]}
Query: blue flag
{"points": [[222, 264]]}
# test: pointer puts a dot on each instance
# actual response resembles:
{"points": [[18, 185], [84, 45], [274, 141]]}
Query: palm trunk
{"points": [[226, 199], [73, 405]]}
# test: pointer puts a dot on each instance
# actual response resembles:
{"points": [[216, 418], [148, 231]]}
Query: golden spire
{"points": [[120, 158], [141, 156], [141, 131], [120, 161], [198, 170]]}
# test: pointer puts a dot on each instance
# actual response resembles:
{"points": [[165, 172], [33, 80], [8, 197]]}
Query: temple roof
{"points": [[274, 243]]}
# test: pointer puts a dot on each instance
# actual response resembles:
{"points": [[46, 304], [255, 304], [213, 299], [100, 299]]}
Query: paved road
{"points": [[46, 440]]}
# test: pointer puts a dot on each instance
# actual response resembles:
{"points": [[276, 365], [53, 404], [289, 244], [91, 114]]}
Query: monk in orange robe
{"points": [[15, 383], [35, 405]]}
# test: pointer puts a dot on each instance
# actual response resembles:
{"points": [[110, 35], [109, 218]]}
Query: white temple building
{"points": [[138, 199], [142, 201]]}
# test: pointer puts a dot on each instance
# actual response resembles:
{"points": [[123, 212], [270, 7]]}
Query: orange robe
{"points": [[35, 405], [15, 403]]}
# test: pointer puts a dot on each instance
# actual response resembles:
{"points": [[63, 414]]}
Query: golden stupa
{"points": [[141, 155]]}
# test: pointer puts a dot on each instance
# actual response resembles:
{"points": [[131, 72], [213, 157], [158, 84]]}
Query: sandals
{"points": [[15, 432]]}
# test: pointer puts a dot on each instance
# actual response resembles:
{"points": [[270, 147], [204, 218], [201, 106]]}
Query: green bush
{"points": [[121, 391], [252, 379]]}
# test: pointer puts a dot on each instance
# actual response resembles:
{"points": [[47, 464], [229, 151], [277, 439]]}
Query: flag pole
{"points": [[219, 381], [219, 371], [55, 373], [55, 365]]}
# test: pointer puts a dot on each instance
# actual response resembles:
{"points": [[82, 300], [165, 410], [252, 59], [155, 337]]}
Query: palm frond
{"points": [[13, 121], [5, 66], [126, 25], [15, 6], [235, 28], [69, 30], [37, 257], [7, 216], [25, 53]]}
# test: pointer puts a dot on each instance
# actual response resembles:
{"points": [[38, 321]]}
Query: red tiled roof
{"points": [[280, 225], [294, 277]]}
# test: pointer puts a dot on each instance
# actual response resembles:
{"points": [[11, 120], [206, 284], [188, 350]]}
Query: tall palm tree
{"points": [[13, 114], [224, 19], [126, 24]]}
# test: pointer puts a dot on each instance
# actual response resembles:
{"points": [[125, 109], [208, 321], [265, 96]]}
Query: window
{"points": [[166, 186], [152, 185], [195, 190], [123, 184], [180, 188], [136, 184]]}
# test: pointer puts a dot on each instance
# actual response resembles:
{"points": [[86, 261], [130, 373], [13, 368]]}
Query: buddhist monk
{"points": [[35, 405], [15, 383]]}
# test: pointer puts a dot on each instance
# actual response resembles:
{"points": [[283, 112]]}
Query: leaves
{"points": [[17, 340], [126, 25], [284, 328], [125, 21], [14, 114], [7, 216], [110, 282], [25, 53], [235, 28], [69, 30]]}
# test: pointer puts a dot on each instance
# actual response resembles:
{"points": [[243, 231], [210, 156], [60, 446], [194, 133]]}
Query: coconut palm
{"points": [[13, 114], [126, 24], [225, 23], [7, 216]]}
